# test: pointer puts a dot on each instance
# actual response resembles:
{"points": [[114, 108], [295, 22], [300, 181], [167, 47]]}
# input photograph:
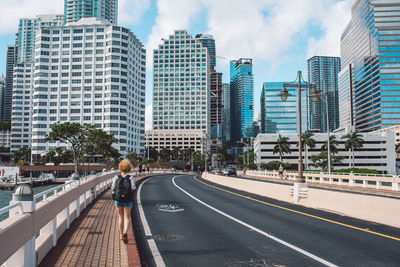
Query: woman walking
{"points": [[123, 186]]}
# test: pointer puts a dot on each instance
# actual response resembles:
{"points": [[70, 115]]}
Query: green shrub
{"points": [[358, 170]]}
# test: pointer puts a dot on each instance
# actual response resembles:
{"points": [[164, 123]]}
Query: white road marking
{"points": [[152, 244], [302, 251]]}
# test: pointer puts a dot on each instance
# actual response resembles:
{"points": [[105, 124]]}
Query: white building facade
{"points": [[378, 151], [182, 139], [181, 89], [90, 72], [21, 115]]}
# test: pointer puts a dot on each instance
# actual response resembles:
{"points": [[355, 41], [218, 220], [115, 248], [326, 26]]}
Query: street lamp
{"points": [[314, 95], [284, 95]]}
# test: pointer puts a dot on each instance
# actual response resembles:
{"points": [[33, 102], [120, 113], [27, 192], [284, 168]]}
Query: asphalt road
{"points": [[184, 221]]}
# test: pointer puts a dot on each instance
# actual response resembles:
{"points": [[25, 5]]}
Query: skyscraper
{"points": [[27, 31], [208, 41], [323, 73], [226, 114], [90, 72], [279, 116], [216, 104], [370, 45], [181, 91], [74, 10], [241, 87], [6, 94], [22, 104], [2, 89]]}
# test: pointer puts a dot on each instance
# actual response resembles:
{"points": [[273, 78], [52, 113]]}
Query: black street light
{"points": [[284, 95]]}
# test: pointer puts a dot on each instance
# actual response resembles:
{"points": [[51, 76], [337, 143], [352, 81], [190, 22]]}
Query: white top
{"points": [[132, 181]]}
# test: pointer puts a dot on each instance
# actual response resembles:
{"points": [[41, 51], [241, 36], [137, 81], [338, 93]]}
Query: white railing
{"points": [[33, 227], [353, 180]]}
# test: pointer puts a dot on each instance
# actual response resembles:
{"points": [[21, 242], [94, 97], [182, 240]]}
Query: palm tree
{"points": [[165, 154], [333, 145], [282, 146], [353, 141], [220, 159], [308, 142], [175, 152]]}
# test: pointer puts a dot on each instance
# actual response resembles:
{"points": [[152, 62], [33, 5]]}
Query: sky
{"points": [[279, 35]]}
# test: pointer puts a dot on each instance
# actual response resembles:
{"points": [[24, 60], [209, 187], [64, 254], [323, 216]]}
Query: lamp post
{"points": [[284, 95], [314, 97], [299, 183]]}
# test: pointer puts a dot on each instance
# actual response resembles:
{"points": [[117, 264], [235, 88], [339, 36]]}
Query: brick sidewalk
{"points": [[93, 239]]}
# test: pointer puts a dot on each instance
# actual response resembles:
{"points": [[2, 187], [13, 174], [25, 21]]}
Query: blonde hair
{"points": [[125, 166]]}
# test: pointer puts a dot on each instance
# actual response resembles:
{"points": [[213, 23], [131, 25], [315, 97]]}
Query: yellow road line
{"points": [[299, 212]]}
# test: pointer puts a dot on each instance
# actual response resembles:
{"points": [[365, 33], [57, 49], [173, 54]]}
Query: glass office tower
{"points": [[226, 115], [323, 73], [242, 87], [371, 45], [208, 41], [278, 116]]}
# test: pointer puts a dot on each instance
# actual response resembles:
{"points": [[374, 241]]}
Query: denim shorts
{"points": [[123, 204]]}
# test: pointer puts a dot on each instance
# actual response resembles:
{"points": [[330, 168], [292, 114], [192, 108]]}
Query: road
{"points": [[184, 220]]}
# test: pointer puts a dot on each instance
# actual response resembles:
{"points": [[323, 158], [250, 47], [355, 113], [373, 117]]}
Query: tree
{"points": [[70, 133], [398, 148], [133, 158], [282, 146], [153, 153], [308, 142], [220, 159], [112, 157], [165, 153], [85, 141], [23, 153], [175, 153], [321, 160], [57, 156], [353, 141], [333, 145]]}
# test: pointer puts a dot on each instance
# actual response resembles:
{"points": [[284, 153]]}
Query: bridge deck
{"points": [[93, 239]]}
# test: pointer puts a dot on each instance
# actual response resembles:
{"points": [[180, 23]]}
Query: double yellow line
{"points": [[299, 212]]}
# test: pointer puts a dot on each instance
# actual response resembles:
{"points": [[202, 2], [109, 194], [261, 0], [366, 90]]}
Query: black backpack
{"points": [[123, 189]]}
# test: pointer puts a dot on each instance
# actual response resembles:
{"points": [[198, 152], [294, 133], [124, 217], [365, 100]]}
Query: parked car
{"points": [[232, 171]]}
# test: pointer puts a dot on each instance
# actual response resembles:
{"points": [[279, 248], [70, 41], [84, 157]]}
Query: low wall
{"points": [[384, 210]]}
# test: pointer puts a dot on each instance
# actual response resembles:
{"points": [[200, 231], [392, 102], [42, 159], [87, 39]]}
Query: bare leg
{"points": [[127, 219], [120, 211]]}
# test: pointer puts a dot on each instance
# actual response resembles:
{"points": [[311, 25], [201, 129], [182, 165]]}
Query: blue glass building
{"points": [[241, 87], [323, 73], [370, 45], [278, 116]]}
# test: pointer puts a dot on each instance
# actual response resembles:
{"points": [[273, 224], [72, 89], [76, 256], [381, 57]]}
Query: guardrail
{"points": [[352, 180], [33, 228]]}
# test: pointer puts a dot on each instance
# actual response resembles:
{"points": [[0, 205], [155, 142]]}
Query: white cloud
{"points": [[130, 11], [149, 117], [171, 15], [13, 10], [333, 22], [259, 29]]}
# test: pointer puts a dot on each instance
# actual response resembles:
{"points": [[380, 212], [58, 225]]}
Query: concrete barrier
{"points": [[379, 209]]}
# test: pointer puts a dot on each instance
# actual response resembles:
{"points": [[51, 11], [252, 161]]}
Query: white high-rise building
{"points": [[91, 72], [74, 10], [21, 115], [181, 88]]}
